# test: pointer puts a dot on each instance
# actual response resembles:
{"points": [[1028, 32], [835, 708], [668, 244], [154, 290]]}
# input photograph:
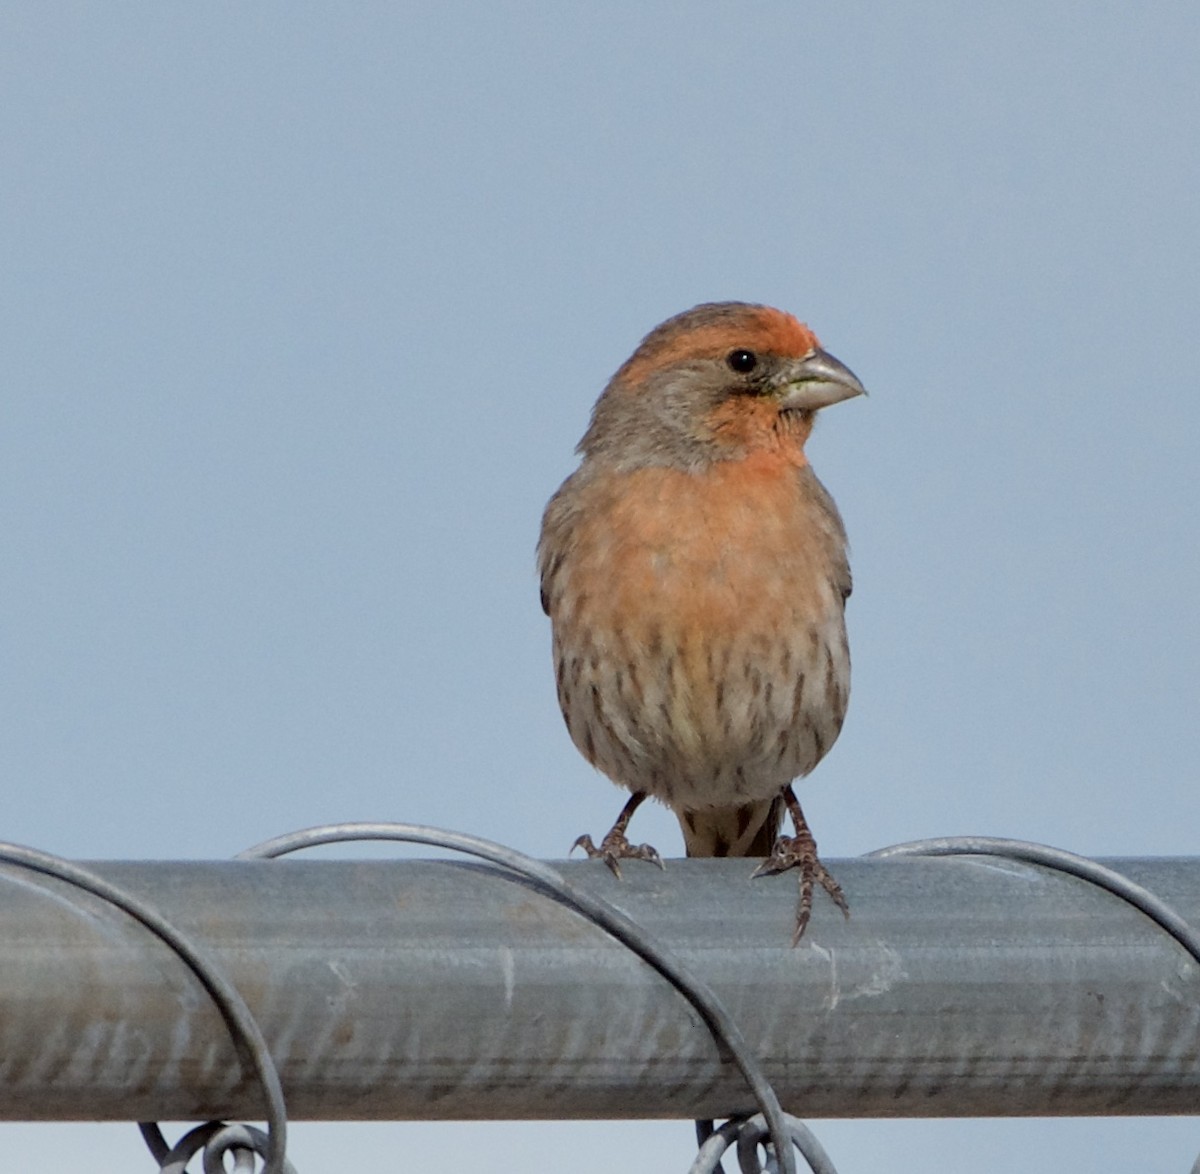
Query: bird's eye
{"points": [[742, 361]]}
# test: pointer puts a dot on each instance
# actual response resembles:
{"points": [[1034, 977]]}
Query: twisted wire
{"points": [[608, 917], [1060, 860], [243, 1028], [747, 1133], [214, 1140]]}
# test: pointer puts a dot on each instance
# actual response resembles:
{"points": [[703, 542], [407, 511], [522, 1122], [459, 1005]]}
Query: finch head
{"points": [[717, 382]]}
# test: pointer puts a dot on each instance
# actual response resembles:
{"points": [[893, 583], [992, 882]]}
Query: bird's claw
{"points": [[800, 852], [614, 848]]}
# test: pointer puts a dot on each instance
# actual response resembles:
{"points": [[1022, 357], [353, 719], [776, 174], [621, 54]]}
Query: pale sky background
{"points": [[305, 307]]}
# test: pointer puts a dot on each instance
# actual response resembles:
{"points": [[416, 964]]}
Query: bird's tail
{"points": [[748, 830]]}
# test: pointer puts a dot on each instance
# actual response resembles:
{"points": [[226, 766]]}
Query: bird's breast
{"points": [[699, 637]]}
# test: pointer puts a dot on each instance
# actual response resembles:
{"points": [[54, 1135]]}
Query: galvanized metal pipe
{"points": [[437, 989]]}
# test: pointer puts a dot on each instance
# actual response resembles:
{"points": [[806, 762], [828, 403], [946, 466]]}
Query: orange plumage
{"points": [[695, 573]]}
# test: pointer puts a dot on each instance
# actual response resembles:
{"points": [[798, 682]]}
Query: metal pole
{"points": [[434, 989]]}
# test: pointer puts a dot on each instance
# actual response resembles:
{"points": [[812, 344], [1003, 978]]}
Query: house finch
{"points": [[695, 573]]}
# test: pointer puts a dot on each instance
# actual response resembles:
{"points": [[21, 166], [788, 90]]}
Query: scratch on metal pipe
{"points": [[509, 970], [835, 994], [889, 971]]}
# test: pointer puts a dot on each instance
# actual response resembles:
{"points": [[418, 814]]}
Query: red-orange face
{"points": [[715, 383]]}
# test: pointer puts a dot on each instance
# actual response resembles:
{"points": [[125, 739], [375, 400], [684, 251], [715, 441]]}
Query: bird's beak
{"points": [[816, 381]]}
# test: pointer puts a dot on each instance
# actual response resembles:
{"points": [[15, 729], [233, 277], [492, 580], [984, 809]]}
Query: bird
{"points": [[695, 572]]}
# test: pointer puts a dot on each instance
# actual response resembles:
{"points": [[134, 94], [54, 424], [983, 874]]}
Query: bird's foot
{"points": [[614, 848], [800, 851]]}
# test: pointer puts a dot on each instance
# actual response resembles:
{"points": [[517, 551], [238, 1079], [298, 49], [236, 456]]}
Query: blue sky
{"points": [[304, 310]]}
